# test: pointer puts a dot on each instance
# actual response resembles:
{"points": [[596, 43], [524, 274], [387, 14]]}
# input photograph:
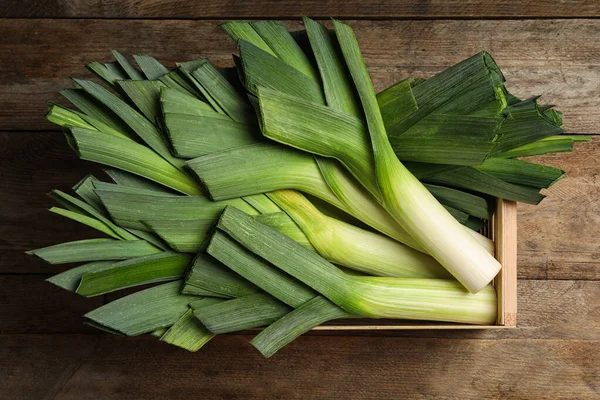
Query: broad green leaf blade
{"points": [[85, 189], [84, 219], [129, 69], [108, 75], [175, 101], [131, 157], [397, 102], [551, 144], [188, 333], [224, 93], [297, 322], [337, 85], [260, 168], [134, 272], [145, 95], [258, 271], [442, 150], [277, 37], [522, 172], [144, 311], [65, 117], [69, 279], [183, 236], [138, 123], [252, 311], [127, 179], [242, 30], [319, 130], [194, 136], [209, 273], [472, 179], [94, 250], [95, 109], [463, 201], [150, 66], [86, 209], [264, 70], [130, 209]]}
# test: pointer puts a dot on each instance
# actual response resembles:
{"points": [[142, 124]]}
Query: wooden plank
{"points": [[548, 310], [28, 304], [37, 366], [32, 165], [313, 367], [294, 9], [505, 237], [557, 239], [549, 57]]}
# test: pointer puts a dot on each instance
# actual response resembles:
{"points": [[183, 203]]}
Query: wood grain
{"points": [[28, 304], [547, 310], [294, 9], [556, 58], [557, 239], [356, 368], [32, 165]]}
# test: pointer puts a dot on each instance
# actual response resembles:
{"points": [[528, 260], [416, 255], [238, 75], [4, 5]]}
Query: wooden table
{"points": [[550, 48]]}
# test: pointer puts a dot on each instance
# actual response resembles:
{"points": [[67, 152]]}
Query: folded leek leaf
{"points": [[550, 144], [129, 180], [472, 179], [194, 136], [137, 271], [223, 93], [525, 124], [282, 43], [256, 270], [69, 279], [297, 322], [522, 172], [184, 236], [85, 189], [150, 66], [188, 333], [130, 209], [143, 312], [264, 70], [339, 92], [260, 168], [463, 201], [242, 30], [145, 95], [95, 109], [108, 75], [252, 311], [132, 157], [129, 69], [85, 220], [138, 123], [209, 273], [175, 101], [94, 250]]}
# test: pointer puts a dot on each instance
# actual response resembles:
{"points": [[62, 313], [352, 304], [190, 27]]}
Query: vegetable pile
{"points": [[284, 193]]}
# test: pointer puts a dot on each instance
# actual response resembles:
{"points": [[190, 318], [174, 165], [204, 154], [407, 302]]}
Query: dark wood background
{"points": [[544, 47]]}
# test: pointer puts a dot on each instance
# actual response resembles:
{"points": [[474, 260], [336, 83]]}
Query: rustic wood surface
{"points": [[47, 353]]}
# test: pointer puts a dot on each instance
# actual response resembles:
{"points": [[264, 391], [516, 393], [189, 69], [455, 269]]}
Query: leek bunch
{"points": [[285, 193]]}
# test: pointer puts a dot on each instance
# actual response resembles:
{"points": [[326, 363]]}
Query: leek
{"points": [[406, 198]]}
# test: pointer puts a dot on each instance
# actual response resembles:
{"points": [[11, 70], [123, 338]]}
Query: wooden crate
{"points": [[503, 231]]}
